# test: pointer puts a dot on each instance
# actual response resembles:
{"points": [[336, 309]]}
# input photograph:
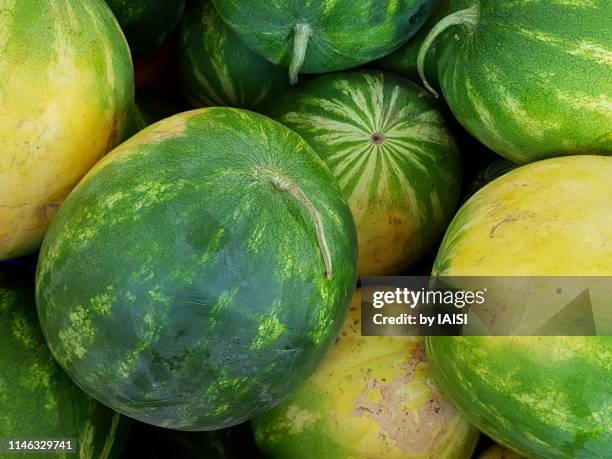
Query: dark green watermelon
{"points": [[37, 399], [217, 68], [403, 62], [198, 274], [147, 23], [326, 35], [528, 79]]}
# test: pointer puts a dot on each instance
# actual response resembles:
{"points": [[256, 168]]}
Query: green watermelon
{"points": [[393, 155], [199, 272], [37, 399], [530, 80], [543, 396], [372, 397], [217, 69], [324, 35], [66, 85], [403, 62], [147, 23]]}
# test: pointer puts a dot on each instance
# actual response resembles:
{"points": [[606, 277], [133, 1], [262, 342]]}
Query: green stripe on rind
{"points": [[37, 399], [59, 27], [546, 397], [67, 85], [217, 69], [210, 300], [409, 182], [532, 79], [345, 33]]}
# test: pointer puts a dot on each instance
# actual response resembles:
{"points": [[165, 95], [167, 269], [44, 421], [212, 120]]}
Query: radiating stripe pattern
{"points": [[392, 154], [532, 79], [345, 33], [67, 83], [217, 68]]}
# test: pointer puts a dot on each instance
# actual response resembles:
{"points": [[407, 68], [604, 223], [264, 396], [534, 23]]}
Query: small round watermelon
{"points": [[543, 396], [393, 155], [530, 80], [217, 69], [372, 397], [499, 452], [198, 273], [147, 24], [66, 85], [403, 62], [327, 35], [37, 399]]}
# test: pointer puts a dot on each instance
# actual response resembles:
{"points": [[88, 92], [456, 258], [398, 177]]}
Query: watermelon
{"points": [[530, 80], [393, 155], [217, 69], [225, 258], [324, 36], [371, 397], [543, 396], [403, 62], [499, 452], [37, 399], [67, 85], [147, 24]]}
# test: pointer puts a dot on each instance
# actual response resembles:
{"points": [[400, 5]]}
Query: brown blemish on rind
{"points": [[378, 138], [504, 221], [48, 211], [405, 428]]}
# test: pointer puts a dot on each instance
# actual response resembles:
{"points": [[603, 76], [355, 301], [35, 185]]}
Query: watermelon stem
{"points": [[468, 16], [301, 35], [283, 183]]}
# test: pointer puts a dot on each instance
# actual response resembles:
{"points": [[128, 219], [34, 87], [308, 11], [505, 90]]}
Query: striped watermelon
{"points": [[403, 62], [147, 23], [66, 86], [529, 79], [37, 399], [217, 69], [545, 397], [393, 155], [225, 259], [324, 35], [499, 452], [372, 397]]}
